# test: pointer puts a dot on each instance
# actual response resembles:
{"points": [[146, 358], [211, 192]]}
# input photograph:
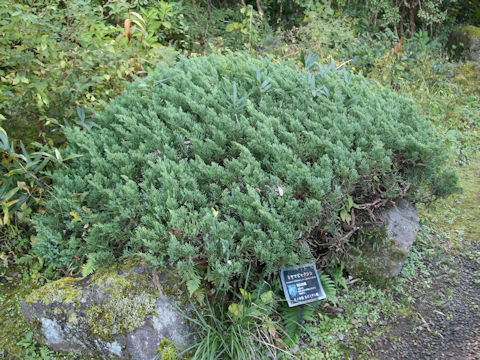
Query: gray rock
{"points": [[115, 313], [384, 247], [466, 40]]}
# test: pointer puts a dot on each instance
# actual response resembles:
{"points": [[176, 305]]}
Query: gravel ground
{"points": [[447, 331], [445, 322]]}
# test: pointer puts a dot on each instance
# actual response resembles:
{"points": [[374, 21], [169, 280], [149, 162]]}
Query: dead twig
{"points": [[156, 282], [343, 64], [425, 323]]}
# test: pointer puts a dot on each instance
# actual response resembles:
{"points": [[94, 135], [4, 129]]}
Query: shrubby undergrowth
{"points": [[226, 162], [58, 55]]}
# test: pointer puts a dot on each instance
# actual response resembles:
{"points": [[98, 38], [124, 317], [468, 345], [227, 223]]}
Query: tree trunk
{"points": [[259, 7], [402, 17], [412, 26]]}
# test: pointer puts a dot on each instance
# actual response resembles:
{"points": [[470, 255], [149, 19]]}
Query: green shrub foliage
{"points": [[226, 162]]}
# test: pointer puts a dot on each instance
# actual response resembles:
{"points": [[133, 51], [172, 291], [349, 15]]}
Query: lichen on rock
{"points": [[128, 301], [115, 313], [63, 290]]}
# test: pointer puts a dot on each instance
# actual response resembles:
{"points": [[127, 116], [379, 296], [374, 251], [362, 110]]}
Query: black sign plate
{"points": [[301, 285]]}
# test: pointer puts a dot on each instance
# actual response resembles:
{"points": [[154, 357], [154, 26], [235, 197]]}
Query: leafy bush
{"points": [[24, 186], [57, 55], [226, 162], [468, 11], [403, 17], [337, 38], [250, 30], [328, 36]]}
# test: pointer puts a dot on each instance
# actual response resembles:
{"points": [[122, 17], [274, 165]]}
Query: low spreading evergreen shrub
{"points": [[229, 162]]}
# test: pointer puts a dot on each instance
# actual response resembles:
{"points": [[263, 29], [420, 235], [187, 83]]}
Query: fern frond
{"points": [[193, 284], [328, 287], [88, 268]]}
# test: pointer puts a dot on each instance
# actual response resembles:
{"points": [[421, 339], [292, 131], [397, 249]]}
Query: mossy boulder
{"points": [[383, 246], [120, 313], [466, 41]]}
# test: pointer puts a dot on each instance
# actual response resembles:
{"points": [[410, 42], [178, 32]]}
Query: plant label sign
{"points": [[301, 285]]}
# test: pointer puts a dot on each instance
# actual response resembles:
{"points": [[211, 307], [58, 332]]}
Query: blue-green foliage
{"points": [[207, 167]]}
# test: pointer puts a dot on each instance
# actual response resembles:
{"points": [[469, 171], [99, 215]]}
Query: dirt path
{"points": [[445, 322]]}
